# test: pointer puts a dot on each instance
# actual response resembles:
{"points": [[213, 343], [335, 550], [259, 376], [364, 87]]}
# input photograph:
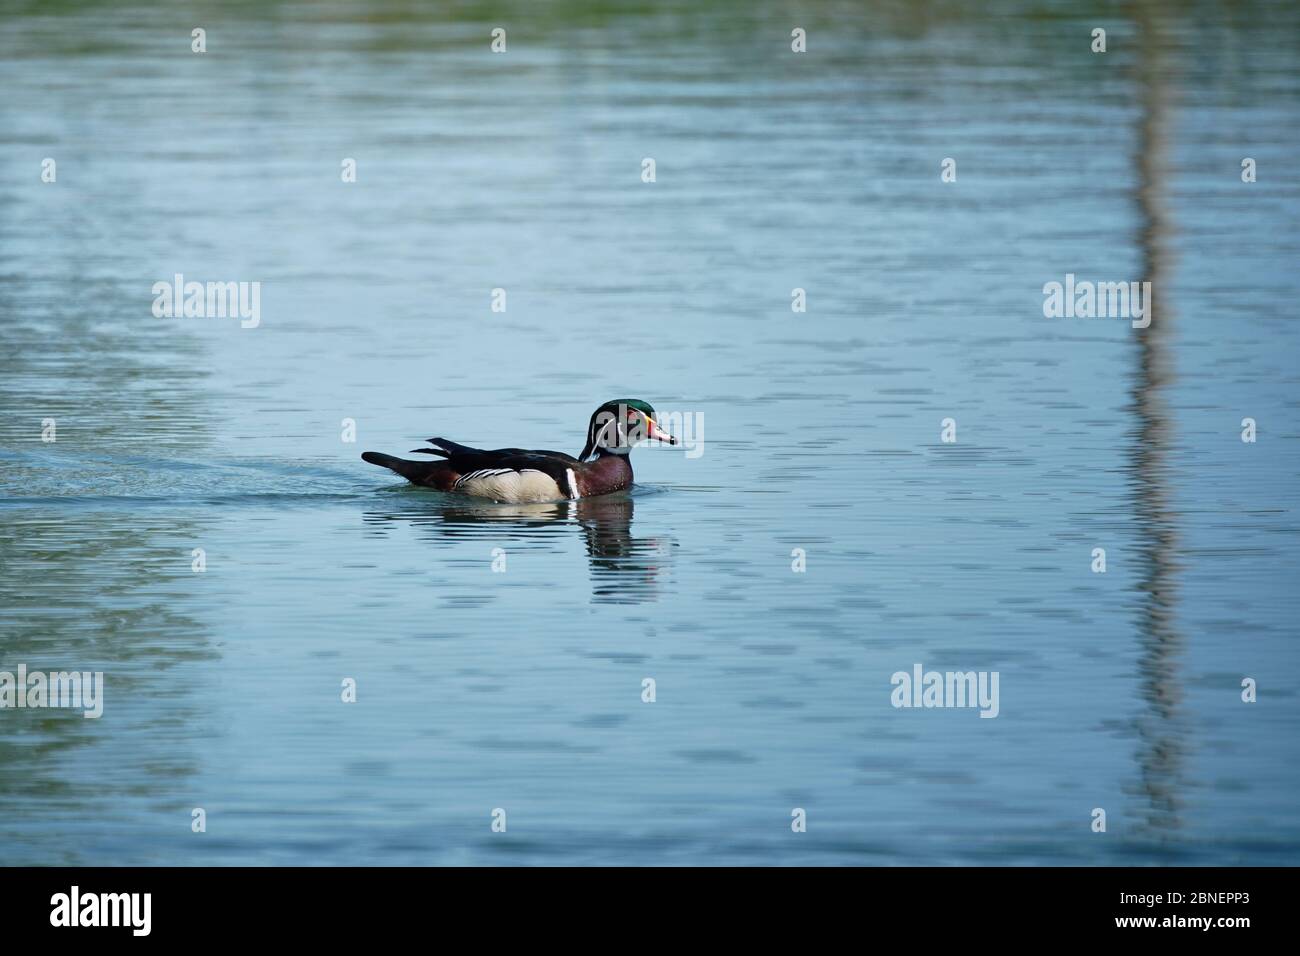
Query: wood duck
{"points": [[516, 475]]}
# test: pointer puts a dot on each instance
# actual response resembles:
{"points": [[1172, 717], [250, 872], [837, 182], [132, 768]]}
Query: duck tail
{"points": [[420, 472]]}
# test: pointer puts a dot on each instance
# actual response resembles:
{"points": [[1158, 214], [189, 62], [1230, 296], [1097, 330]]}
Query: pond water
{"points": [[818, 434]]}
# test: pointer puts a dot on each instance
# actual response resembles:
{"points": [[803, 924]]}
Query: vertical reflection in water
{"points": [[1159, 728]]}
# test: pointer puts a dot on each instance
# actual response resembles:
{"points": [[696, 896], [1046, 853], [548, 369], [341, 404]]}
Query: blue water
{"points": [[522, 689]]}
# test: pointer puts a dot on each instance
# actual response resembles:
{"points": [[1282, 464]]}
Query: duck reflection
{"points": [[625, 568]]}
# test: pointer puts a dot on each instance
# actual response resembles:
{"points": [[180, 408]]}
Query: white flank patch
{"points": [[506, 484], [573, 484]]}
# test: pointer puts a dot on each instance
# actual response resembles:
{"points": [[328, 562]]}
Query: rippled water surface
{"points": [[522, 690]]}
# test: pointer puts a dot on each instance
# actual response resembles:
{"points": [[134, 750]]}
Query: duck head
{"points": [[618, 425]]}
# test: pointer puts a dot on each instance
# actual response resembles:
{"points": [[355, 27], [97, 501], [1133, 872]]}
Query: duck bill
{"points": [[659, 434]]}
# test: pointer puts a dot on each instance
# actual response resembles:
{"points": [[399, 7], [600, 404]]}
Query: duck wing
{"points": [[449, 449], [457, 454]]}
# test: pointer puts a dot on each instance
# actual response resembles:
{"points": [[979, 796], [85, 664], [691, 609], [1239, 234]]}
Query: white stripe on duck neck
{"points": [[616, 448]]}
